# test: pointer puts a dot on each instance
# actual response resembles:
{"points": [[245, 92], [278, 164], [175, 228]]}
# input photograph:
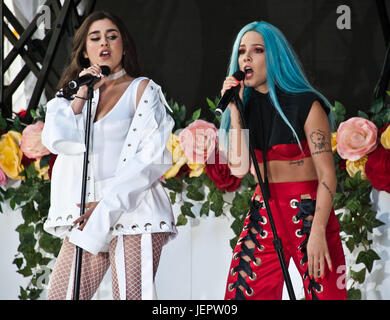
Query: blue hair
{"points": [[283, 69]]}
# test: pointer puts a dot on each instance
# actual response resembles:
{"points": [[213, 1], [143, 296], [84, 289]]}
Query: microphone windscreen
{"points": [[239, 75], [105, 70]]}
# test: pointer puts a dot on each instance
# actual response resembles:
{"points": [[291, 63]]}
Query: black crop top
{"points": [[260, 114]]}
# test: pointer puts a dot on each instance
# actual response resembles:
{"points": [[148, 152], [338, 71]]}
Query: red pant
{"points": [[264, 278]]}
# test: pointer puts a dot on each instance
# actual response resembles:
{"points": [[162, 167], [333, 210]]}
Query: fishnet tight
{"points": [[95, 267]]}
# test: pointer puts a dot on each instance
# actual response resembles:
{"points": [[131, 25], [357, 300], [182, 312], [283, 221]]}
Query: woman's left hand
{"points": [[89, 207], [318, 253]]}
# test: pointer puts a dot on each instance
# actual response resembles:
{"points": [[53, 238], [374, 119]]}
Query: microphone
{"points": [[88, 79], [229, 94]]}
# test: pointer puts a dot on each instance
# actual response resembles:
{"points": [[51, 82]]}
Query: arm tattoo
{"points": [[318, 139], [327, 188]]}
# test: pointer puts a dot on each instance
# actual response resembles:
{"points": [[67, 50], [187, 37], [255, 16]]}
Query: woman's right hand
{"points": [[82, 92], [94, 70], [227, 84]]}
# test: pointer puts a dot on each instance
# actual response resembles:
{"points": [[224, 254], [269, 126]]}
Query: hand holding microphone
{"points": [[231, 86], [95, 74]]}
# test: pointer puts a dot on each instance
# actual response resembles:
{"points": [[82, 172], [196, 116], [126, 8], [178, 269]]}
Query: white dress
{"points": [[127, 157]]}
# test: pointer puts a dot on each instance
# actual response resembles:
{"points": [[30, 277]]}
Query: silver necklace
{"points": [[116, 75]]}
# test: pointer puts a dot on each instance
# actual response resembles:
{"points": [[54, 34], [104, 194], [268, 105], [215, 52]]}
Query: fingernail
{"points": [[322, 277], [331, 269]]}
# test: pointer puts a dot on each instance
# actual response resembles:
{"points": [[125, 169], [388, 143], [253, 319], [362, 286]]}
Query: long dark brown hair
{"points": [[78, 62]]}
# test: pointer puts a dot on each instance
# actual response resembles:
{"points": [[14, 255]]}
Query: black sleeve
{"points": [[306, 101]]}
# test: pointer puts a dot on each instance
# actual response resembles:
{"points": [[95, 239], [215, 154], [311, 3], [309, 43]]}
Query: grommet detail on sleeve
{"points": [[129, 145], [118, 226], [163, 225], [140, 114], [148, 226], [69, 217], [135, 129], [124, 160], [146, 101]]}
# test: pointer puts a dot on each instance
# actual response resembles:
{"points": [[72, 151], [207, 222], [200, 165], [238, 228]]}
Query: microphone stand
{"points": [[79, 251], [277, 242]]}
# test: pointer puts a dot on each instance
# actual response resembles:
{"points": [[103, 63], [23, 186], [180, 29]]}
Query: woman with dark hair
{"points": [[289, 130], [128, 216]]}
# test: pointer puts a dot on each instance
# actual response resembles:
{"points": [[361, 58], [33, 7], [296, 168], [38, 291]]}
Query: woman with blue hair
{"points": [[289, 126]]}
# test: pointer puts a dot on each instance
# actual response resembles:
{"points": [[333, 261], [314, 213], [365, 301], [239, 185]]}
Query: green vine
{"points": [[357, 218], [32, 197]]}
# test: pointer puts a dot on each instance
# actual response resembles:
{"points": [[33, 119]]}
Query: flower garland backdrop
{"points": [[200, 175]]}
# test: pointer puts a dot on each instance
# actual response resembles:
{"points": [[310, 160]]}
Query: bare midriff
{"points": [[289, 171]]}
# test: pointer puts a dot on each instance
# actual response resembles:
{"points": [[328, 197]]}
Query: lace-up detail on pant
{"points": [[255, 219], [255, 272], [306, 209]]}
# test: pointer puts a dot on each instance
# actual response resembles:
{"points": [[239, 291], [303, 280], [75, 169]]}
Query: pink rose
{"points": [[356, 137], [31, 145], [198, 141], [3, 178]]}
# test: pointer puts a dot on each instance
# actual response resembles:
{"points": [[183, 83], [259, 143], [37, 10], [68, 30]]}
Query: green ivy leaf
{"points": [[44, 162], [237, 226], [172, 195], [204, 210], [49, 243], [367, 258], [338, 111], [23, 294], [216, 199], [181, 220], [354, 294], [377, 106], [363, 115], [359, 276], [194, 193], [233, 242], [186, 209], [196, 114], [33, 113], [173, 184], [18, 262], [26, 272], [350, 243], [211, 104], [17, 125]]}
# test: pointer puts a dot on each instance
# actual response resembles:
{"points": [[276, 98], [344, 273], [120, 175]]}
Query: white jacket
{"points": [[134, 201]]}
